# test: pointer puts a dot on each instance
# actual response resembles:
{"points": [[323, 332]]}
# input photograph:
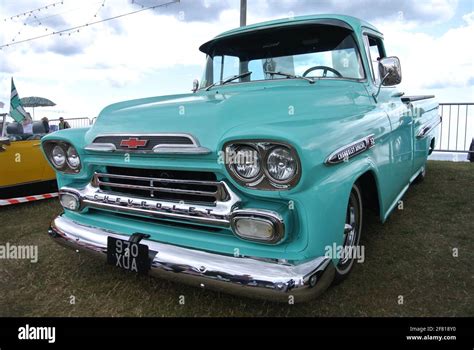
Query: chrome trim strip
{"points": [[158, 214], [426, 128], [195, 148], [163, 134], [101, 147], [351, 150], [171, 149], [245, 276]]}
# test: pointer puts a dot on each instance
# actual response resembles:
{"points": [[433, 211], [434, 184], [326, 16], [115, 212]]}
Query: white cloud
{"points": [[469, 18], [107, 62], [102, 57], [438, 10], [430, 62]]}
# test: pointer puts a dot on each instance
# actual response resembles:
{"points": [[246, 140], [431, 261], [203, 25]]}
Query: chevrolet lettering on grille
{"points": [[156, 205]]}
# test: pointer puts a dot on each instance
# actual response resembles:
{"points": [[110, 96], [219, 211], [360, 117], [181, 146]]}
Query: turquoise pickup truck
{"points": [[256, 182]]}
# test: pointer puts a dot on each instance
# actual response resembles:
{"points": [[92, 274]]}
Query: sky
{"points": [[155, 52]]}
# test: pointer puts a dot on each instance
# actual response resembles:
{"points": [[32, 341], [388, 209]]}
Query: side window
{"points": [[375, 51]]}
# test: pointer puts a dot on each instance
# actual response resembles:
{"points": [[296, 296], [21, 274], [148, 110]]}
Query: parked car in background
{"points": [[295, 132], [23, 168]]}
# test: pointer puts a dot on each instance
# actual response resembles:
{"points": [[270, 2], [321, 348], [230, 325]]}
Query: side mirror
{"points": [[4, 141], [195, 85], [390, 71]]}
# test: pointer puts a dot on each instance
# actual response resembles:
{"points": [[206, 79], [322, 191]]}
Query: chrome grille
{"points": [[151, 140], [169, 185]]}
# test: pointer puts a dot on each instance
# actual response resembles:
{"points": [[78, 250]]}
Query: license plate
{"points": [[127, 255]]}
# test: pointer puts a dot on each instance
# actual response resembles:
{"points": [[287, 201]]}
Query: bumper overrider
{"points": [[246, 276]]}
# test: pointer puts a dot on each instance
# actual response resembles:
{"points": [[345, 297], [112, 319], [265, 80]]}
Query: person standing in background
{"points": [[63, 124], [27, 124], [45, 124]]}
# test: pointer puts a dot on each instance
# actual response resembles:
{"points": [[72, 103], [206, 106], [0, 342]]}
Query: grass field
{"points": [[411, 255]]}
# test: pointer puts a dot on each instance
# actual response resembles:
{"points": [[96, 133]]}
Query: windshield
{"points": [[313, 51]]}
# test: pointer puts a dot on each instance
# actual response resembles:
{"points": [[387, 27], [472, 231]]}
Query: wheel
{"points": [[352, 233], [421, 176]]}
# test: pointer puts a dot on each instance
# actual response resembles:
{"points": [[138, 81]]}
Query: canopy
{"points": [[34, 101]]}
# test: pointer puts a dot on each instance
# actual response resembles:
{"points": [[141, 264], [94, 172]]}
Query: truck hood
{"points": [[277, 111]]}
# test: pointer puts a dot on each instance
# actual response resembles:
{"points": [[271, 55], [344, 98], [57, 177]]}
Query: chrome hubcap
{"points": [[349, 233]]}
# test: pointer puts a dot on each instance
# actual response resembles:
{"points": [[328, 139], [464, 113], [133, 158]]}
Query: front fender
{"points": [[323, 205]]}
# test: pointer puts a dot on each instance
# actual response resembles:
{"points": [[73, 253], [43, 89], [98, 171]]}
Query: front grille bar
{"points": [[219, 194], [217, 214]]}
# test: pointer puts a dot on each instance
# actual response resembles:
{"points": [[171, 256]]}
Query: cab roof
{"points": [[351, 23]]}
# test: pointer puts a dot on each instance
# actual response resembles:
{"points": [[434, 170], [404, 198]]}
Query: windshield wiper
{"points": [[228, 80], [311, 81]]}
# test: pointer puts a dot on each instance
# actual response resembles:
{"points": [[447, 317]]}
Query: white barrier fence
{"points": [[73, 122], [457, 128]]}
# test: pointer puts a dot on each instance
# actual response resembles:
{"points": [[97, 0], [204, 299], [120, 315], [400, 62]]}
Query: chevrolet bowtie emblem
{"points": [[133, 142]]}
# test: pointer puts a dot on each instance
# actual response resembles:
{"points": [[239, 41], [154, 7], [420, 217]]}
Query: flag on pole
{"points": [[17, 111]]}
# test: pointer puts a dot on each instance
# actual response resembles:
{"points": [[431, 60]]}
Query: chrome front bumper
{"points": [[236, 275]]}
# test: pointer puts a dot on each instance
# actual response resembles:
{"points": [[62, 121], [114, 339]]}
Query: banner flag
{"points": [[17, 112]]}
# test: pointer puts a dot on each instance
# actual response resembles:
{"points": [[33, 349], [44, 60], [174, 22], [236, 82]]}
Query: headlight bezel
{"points": [[53, 156], [68, 155], [267, 170], [264, 181], [232, 166], [66, 168]]}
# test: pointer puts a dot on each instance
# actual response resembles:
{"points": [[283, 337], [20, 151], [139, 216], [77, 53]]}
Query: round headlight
{"points": [[73, 158], [246, 162], [281, 165], [58, 156]]}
